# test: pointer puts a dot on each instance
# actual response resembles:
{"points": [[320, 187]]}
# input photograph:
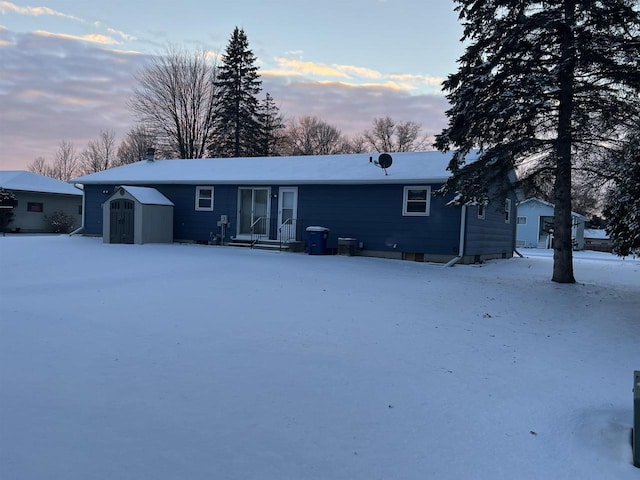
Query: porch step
{"points": [[266, 244]]}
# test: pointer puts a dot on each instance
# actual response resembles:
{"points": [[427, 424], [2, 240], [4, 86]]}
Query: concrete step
{"points": [[266, 244]]}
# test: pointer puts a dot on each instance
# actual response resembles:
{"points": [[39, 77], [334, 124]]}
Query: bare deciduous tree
{"points": [[175, 98], [65, 165], [358, 144], [134, 147], [40, 166], [389, 136], [312, 136], [99, 154]]}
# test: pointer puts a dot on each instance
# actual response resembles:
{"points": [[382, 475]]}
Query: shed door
{"points": [[121, 221]]}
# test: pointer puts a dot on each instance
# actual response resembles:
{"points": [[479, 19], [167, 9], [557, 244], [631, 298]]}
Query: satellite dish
{"points": [[385, 160]]}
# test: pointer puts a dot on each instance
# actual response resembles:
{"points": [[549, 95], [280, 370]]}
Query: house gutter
{"points": [[463, 229], [81, 227]]}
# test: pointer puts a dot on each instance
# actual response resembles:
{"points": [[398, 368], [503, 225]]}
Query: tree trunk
{"points": [[562, 242], [562, 245]]}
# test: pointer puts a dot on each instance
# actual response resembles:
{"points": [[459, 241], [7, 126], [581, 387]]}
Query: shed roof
{"points": [[147, 196], [20, 180], [320, 169]]}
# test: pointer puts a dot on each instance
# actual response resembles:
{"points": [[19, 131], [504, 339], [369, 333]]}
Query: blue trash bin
{"points": [[317, 240]]}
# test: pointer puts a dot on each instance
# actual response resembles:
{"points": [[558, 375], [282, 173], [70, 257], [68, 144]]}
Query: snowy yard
{"points": [[167, 362]]}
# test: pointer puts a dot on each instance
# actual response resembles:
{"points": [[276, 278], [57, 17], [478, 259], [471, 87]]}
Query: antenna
{"points": [[384, 161]]}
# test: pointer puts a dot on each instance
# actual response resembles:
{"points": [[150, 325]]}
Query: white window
{"points": [[204, 198], [507, 210], [522, 220], [481, 209], [416, 201]]}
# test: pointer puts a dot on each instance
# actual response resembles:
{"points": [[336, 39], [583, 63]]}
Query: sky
{"points": [[202, 362], [67, 67]]}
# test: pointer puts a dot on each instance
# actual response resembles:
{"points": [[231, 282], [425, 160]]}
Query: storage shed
{"points": [[137, 215]]}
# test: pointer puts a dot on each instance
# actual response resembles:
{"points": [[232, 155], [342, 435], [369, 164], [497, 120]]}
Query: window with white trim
{"points": [[204, 198], [507, 210], [416, 201], [522, 220]]}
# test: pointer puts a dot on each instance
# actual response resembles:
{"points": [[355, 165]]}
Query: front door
{"points": [[121, 221], [288, 214], [253, 212]]}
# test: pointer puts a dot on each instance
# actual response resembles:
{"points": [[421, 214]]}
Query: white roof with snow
{"points": [[147, 196], [325, 169], [19, 180], [596, 233], [548, 204]]}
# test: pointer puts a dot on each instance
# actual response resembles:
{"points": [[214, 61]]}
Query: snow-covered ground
{"points": [[195, 362]]}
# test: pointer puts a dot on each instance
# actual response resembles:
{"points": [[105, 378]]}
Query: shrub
{"points": [[59, 222], [7, 203]]}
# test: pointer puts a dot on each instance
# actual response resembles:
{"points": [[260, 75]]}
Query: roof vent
{"points": [[150, 154]]}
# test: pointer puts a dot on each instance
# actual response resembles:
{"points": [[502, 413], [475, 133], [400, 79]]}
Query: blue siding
{"points": [[529, 232], [370, 213], [491, 235], [188, 224], [191, 224], [373, 215], [93, 200]]}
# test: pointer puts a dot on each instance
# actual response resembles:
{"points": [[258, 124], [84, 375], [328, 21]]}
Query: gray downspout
{"points": [[81, 227], [463, 229]]}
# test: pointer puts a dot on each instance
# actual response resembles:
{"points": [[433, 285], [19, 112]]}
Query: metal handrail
{"points": [[255, 239], [258, 229], [259, 219], [288, 221]]}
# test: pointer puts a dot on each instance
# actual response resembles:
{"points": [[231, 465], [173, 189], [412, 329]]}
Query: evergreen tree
{"points": [[271, 128], [540, 84], [238, 122], [622, 208]]}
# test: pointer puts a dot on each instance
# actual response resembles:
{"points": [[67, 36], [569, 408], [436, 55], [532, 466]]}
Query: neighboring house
{"points": [[390, 212], [38, 197], [535, 225], [596, 239]]}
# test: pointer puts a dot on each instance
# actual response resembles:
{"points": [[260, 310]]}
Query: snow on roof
{"points": [[19, 180], [549, 204], [147, 196], [538, 200], [596, 233], [335, 169]]}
